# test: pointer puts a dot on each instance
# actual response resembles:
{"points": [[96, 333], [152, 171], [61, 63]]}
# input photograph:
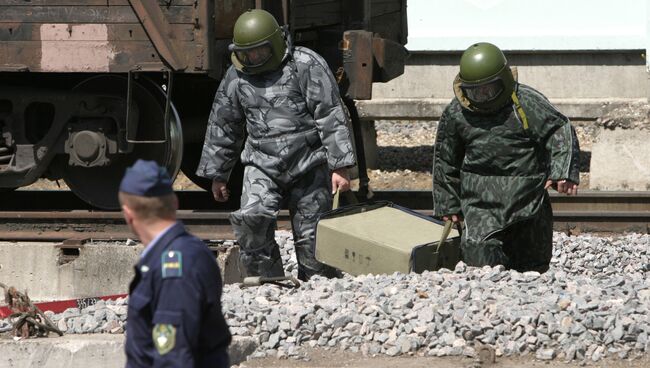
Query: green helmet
{"points": [[485, 81], [258, 42]]}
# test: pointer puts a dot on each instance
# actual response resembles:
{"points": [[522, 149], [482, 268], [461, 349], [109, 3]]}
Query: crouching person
{"points": [[174, 313], [285, 104], [500, 145]]}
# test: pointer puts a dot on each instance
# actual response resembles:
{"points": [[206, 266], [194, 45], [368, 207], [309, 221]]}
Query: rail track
{"points": [[60, 216]]}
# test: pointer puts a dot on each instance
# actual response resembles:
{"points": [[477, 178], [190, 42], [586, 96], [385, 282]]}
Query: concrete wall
{"points": [[620, 160], [581, 54], [87, 351], [559, 75], [579, 83], [98, 270]]}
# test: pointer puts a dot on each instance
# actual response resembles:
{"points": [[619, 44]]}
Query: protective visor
{"points": [[252, 56], [484, 92]]}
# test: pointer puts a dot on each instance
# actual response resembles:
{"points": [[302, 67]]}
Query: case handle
{"points": [[445, 233], [352, 199]]}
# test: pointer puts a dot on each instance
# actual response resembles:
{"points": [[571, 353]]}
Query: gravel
{"points": [[593, 303], [628, 116]]}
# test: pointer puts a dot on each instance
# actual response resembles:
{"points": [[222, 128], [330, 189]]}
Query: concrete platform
{"points": [[50, 271], [432, 108], [559, 75], [85, 351], [620, 160]]}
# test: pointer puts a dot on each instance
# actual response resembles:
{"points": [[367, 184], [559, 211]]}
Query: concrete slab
{"points": [[432, 108], [558, 74], [620, 160], [83, 351], [228, 260], [64, 352], [49, 272]]}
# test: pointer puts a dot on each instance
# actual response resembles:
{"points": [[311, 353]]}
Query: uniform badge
{"points": [[172, 264], [164, 338]]}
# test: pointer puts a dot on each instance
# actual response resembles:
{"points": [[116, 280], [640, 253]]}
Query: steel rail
{"points": [[79, 226], [59, 216], [63, 200]]}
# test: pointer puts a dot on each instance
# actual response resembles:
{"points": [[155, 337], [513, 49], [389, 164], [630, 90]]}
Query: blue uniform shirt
{"points": [[174, 315]]}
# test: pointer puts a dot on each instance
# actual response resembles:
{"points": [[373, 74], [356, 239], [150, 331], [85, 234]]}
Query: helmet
{"points": [[485, 81], [258, 42]]}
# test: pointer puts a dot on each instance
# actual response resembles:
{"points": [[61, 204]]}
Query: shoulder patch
{"points": [[172, 264], [164, 338]]}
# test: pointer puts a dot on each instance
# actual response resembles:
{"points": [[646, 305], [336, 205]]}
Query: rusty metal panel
{"points": [[102, 35], [96, 55], [226, 13], [116, 32], [157, 26], [389, 57], [388, 19], [315, 13], [358, 63], [88, 14], [89, 2], [204, 30], [368, 58]]}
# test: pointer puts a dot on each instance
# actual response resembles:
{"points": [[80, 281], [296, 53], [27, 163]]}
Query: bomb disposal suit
{"points": [[497, 146], [288, 103]]}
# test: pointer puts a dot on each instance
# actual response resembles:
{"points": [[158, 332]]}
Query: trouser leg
{"points": [[310, 197], [255, 222], [524, 246], [478, 252], [530, 243]]}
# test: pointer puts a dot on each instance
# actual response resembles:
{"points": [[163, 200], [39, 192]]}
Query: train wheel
{"points": [[99, 185]]}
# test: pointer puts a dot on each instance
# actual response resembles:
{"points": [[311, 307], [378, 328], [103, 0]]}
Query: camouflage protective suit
{"points": [[491, 170], [297, 131]]}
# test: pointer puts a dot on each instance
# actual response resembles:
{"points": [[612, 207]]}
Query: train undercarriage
{"points": [[76, 128]]}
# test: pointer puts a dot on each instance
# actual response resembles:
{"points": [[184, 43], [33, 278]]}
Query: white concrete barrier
{"points": [[620, 160], [51, 272], [86, 351], [432, 108]]}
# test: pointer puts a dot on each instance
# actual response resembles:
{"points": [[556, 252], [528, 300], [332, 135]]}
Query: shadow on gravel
{"points": [[393, 158], [585, 161], [420, 158]]}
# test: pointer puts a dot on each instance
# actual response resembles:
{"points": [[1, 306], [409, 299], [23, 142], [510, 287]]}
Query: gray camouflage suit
{"points": [[297, 131]]}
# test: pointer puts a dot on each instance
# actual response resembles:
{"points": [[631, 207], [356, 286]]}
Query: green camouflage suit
{"points": [[491, 171], [296, 132]]}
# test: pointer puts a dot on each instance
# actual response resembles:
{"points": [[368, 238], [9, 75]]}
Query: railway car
{"points": [[89, 86]]}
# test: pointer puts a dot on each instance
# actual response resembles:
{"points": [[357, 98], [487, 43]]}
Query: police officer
{"points": [[499, 146], [174, 315], [297, 147]]}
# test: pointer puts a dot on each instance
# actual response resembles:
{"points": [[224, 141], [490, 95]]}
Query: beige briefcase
{"points": [[382, 238]]}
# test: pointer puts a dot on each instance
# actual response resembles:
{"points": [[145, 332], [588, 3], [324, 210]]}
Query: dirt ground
{"points": [[335, 358], [320, 358]]}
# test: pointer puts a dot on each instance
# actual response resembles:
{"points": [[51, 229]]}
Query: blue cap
{"points": [[147, 179]]}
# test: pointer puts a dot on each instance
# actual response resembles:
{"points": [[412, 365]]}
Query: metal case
{"points": [[382, 238]]}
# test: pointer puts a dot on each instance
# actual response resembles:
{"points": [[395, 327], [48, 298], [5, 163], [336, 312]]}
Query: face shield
{"points": [[253, 56], [484, 92]]}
